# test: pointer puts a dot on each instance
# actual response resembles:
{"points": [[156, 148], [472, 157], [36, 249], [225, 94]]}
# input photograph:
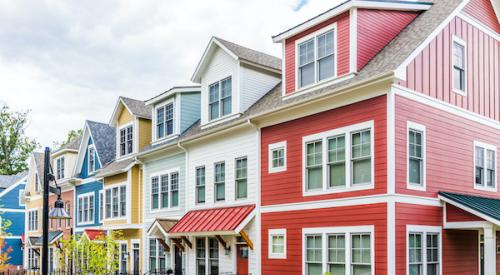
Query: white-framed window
{"points": [[32, 259], [60, 168], [220, 181], [416, 156], [91, 159], [241, 178], [126, 139], [32, 220], [459, 65], [37, 183], [123, 257], [277, 243], [207, 256], [485, 159], [423, 255], [101, 205], [339, 160], [200, 184], [21, 197], [68, 210], [277, 157], [157, 257], [317, 57], [116, 202], [164, 120], [165, 190], [86, 208], [338, 250], [220, 98]]}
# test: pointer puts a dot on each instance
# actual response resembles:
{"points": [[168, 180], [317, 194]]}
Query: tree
{"points": [[15, 146], [4, 251], [72, 134]]}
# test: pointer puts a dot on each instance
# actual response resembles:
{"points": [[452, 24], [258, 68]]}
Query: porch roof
{"points": [[214, 220], [53, 236], [164, 225], [486, 208]]}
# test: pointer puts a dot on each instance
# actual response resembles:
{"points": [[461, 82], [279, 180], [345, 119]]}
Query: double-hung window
{"points": [[339, 159], [424, 250], [165, 120], [339, 249], [241, 178], [60, 168], [416, 156], [459, 65], [157, 257], [126, 140], [316, 58], [165, 190], [154, 193], [86, 208], [219, 181], [485, 166], [101, 205], [33, 220], [207, 256], [277, 244], [220, 98], [68, 210], [277, 157], [116, 202], [200, 184], [123, 258], [91, 159]]}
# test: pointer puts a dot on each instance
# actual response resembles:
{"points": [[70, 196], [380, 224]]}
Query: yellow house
{"points": [[122, 181]]}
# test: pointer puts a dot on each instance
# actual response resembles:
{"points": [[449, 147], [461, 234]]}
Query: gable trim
{"points": [[480, 26], [13, 186], [201, 64], [80, 158]]}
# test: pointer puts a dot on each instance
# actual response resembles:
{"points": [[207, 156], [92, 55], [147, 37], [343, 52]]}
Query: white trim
{"points": [[159, 174], [127, 201], [479, 25], [21, 197], [424, 230], [441, 105], [36, 223], [245, 222], [2, 210], [317, 86], [485, 147], [176, 119], [271, 148], [283, 66], [56, 161], [456, 39], [314, 36], [391, 237], [353, 40], [346, 6], [88, 159], [220, 120], [391, 142], [83, 196], [348, 231], [467, 225], [276, 233], [420, 128], [173, 91], [23, 180], [323, 137], [470, 210], [118, 130], [131, 253]]}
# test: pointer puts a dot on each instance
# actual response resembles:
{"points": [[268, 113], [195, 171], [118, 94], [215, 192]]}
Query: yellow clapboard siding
{"points": [[124, 117], [144, 132]]}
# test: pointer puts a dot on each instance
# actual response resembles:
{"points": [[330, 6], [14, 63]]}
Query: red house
{"points": [[380, 156]]}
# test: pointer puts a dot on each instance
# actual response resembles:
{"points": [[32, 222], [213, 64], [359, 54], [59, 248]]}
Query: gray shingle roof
{"points": [[137, 107], [254, 56], [487, 206], [73, 144], [114, 167], [39, 162], [7, 180], [104, 139]]}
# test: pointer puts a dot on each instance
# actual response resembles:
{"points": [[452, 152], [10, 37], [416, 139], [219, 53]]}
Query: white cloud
{"points": [[68, 61]]}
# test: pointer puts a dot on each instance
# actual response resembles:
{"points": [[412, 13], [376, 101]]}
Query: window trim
{"points": [[424, 230], [120, 254], [271, 148], [102, 205], [83, 196], [174, 123], [236, 179], [348, 231], [22, 193], [273, 233], [221, 116], [196, 184], [119, 217], [215, 183], [57, 160], [32, 226], [157, 256], [485, 147], [421, 128], [456, 39], [159, 174], [118, 141], [335, 57], [89, 171], [323, 136]]}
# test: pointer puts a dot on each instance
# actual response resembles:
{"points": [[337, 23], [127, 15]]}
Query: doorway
{"points": [[136, 258], [177, 261], [242, 259]]}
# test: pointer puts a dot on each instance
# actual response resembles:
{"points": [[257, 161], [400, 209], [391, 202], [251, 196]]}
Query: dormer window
{"points": [[316, 57], [91, 159], [60, 168], [165, 120], [126, 140], [220, 98]]}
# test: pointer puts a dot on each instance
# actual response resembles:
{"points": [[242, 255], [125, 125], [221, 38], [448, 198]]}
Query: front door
{"points": [[136, 259], [178, 261], [242, 259]]}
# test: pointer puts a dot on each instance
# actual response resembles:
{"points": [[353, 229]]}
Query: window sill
{"points": [[460, 92], [277, 256], [416, 187], [484, 188], [220, 120], [277, 170], [162, 210], [318, 85], [165, 139], [334, 190]]}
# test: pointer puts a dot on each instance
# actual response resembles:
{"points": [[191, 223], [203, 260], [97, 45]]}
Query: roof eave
{"points": [[173, 91], [468, 209], [196, 78]]}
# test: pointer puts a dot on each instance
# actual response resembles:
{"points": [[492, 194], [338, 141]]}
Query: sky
{"points": [[68, 61]]}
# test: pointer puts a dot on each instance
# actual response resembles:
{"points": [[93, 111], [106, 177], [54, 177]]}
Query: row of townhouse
{"points": [[369, 148]]}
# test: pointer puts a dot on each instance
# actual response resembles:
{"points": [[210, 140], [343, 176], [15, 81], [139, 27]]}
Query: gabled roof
{"points": [[136, 108], [104, 138], [172, 91], [71, 146], [39, 159], [163, 225], [53, 237], [238, 52], [486, 208], [116, 167], [93, 234], [8, 180]]}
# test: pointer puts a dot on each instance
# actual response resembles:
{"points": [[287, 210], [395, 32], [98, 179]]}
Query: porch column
{"points": [[490, 259]]}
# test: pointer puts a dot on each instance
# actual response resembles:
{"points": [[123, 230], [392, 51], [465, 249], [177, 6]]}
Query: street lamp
{"points": [[57, 212]]}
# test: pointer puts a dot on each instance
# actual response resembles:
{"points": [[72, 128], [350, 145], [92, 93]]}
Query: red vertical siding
{"points": [[286, 187], [455, 214], [342, 21], [483, 11], [295, 221], [376, 28], [450, 148], [430, 72]]}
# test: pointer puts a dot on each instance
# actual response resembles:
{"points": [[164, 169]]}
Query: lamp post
{"points": [[57, 212]]}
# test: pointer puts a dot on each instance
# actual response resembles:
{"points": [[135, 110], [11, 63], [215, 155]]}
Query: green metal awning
{"points": [[53, 236], [485, 208]]}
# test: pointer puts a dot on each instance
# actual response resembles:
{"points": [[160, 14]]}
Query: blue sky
{"points": [[68, 61]]}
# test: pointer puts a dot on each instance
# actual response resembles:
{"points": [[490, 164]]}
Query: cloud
{"points": [[68, 61]]}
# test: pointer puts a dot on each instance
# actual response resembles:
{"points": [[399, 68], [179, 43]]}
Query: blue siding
{"points": [[10, 200], [190, 109], [95, 187], [17, 220], [84, 172], [16, 255]]}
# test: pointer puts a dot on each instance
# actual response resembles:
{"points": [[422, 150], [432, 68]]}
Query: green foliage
{"points": [[4, 251], [91, 257], [15, 147], [72, 134]]}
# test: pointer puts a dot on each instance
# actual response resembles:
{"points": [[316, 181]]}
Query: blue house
{"points": [[97, 149], [12, 209]]}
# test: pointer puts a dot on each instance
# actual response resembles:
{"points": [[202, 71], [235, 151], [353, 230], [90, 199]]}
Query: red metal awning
{"points": [[215, 220], [93, 234]]}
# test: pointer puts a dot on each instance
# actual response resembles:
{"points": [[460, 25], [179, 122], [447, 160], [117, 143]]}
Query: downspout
{"points": [[186, 162]]}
